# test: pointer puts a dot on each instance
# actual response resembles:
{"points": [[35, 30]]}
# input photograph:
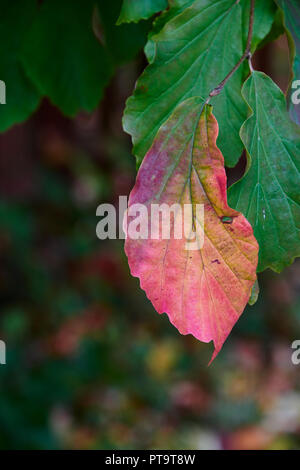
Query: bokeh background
{"points": [[90, 364]]}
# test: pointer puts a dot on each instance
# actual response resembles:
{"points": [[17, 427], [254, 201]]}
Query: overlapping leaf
{"points": [[268, 195], [291, 10], [203, 291], [22, 98], [176, 7], [192, 52], [136, 10]]}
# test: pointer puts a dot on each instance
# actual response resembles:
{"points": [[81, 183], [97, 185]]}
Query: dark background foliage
{"points": [[90, 364]]}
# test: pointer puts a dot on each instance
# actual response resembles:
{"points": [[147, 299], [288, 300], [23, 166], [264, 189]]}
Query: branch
{"points": [[246, 55]]}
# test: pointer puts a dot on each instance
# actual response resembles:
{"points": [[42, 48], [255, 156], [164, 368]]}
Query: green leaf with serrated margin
{"points": [[136, 10], [22, 98], [190, 55], [268, 194]]}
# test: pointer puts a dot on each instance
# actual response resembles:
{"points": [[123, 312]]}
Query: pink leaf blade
{"points": [[203, 291]]}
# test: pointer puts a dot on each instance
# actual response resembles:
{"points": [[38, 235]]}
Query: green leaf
{"points": [[264, 17], [268, 194], [136, 10], [122, 42], [63, 57], [291, 10], [276, 30], [22, 98], [192, 52]]}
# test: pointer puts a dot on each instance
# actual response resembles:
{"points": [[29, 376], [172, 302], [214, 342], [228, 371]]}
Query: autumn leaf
{"points": [[191, 51], [268, 194], [203, 291]]}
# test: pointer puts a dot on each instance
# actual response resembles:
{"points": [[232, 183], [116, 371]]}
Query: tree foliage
{"points": [[201, 51], [199, 55]]}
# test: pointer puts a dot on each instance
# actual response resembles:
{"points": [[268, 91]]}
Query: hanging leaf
{"points": [[22, 98], [63, 57], [191, 54], [203, 290], [136, 10], [291, 10], [268, 195]]}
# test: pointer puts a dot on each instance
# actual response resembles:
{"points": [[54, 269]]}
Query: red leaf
{"points": [[206, 290]]}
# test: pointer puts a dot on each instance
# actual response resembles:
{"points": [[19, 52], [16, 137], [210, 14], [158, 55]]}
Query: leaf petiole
{"points": [[247, 54]]}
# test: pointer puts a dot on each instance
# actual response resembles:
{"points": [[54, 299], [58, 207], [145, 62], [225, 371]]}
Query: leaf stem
{"points": [[246, 55]]}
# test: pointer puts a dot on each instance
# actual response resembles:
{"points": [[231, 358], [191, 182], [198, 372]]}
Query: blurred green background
{"points": [[90, 364]]}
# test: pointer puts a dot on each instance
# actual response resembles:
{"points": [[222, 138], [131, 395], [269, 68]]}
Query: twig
{"points": [[246, 55]]}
